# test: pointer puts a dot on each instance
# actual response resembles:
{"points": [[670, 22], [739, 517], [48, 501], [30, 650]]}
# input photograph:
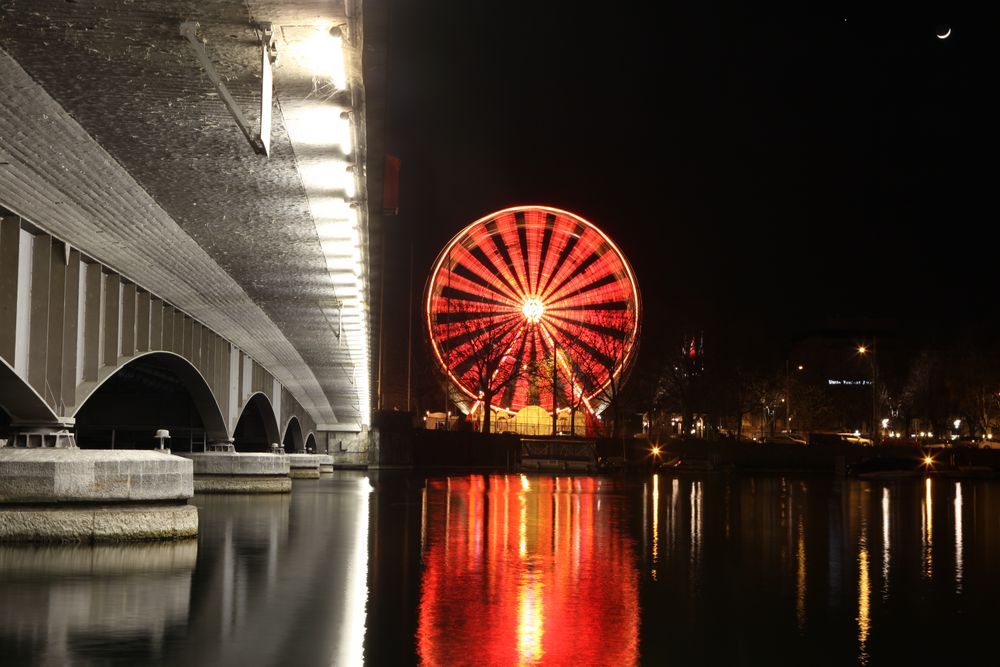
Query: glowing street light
{"points": [[863, 351]]}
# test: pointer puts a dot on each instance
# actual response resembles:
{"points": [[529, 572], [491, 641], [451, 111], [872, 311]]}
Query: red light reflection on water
{"points": [[527, 571]]}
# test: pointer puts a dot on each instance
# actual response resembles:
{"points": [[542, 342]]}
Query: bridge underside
{"points": [[146, 246]]}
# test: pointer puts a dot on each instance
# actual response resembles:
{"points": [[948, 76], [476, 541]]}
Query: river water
{"points": [[397, 569]]}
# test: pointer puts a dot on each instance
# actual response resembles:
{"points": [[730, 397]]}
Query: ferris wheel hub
{"points": [[533, 309]]}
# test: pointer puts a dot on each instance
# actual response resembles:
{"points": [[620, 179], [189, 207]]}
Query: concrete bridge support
{"points": [[90, 359], [73, 495], [71, 326]]}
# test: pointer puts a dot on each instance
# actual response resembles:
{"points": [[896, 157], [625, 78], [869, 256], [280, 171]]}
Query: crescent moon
{"points": [[945, 35]]}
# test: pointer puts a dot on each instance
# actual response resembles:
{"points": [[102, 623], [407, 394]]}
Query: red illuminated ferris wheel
{"points": [[533, 305]]}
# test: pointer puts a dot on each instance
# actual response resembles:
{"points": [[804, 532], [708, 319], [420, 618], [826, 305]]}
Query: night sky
{"points": [[766, 174]]}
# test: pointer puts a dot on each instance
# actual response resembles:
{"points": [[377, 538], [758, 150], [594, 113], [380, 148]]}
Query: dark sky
{"points": [[764, 172]]}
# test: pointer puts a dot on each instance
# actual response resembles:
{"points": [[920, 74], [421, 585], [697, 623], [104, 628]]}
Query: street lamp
{"points": [[863, 351], [788, 398]]}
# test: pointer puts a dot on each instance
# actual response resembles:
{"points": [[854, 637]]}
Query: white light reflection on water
{"points": [[958, 537], [927, 530], [675, 496], [864, 596], [800, 579], [656, 524], [350, 651], [696, 529], [885, 542]]}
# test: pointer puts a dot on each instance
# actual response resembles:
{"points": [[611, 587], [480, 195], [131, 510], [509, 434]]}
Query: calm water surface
{"points": [[397, 569]]}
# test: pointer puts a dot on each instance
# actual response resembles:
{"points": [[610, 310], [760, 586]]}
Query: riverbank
{"points": [[842, 460]]}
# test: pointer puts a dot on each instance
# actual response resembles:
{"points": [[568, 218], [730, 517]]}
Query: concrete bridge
{"points": [[187, 196]]}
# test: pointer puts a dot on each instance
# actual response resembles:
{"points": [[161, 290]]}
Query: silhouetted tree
{"points": [[479, 351], [601, 359]]}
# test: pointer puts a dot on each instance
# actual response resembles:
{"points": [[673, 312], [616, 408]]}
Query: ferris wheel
{"points": [[535, 306]]}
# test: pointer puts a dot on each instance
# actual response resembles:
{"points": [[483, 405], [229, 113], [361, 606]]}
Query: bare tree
{"points": [[561, 376], [479, 350], [972, 377], [601, 356], [680, 384]]}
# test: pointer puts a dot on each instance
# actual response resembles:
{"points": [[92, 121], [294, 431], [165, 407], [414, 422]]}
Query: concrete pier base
{"points": [[304, 466], [76, 495], [325, 464], [231, 472], [98, 523]]}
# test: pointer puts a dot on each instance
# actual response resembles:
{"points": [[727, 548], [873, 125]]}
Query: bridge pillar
{"points": [[304, 466], [53, 493], [227, 471]]}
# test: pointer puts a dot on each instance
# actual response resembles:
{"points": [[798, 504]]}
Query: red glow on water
{"points": [[527, 571]]}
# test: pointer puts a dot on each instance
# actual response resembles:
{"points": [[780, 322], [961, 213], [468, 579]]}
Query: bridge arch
{"points": [[292, 440], [257, 428], [20, 401], [311, 443], [151, 391], [98, 323]]}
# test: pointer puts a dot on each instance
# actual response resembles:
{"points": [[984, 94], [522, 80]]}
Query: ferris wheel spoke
{"points": [[460, 317], [550, 223], [609, 279], [471, 354], [490, 267], [563, 256], [486, 331], [452, 294], [603, 330], [473, 277], [597, 355], [578, 270], [568, 362], [508, 394], [500, 245], [604, 305], [522, 241]]}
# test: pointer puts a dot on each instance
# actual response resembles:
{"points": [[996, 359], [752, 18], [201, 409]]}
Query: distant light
{"points": [[862, 349], [885, 423], [945, 35], [857, 433], [800, 367], [928, 461], [655, 450], [957, 423]]}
